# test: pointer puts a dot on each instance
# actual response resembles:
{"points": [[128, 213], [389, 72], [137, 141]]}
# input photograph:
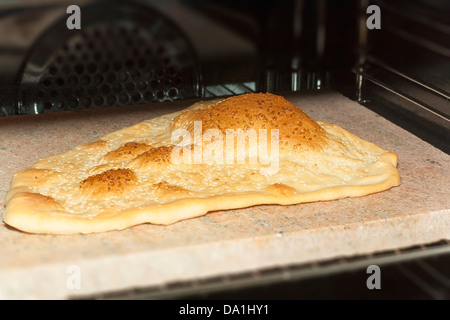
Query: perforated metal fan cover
{"points": [[124, 54]]}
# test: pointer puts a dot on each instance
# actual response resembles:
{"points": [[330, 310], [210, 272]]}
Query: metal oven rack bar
{"points": [[402, 70], [417, 272]]}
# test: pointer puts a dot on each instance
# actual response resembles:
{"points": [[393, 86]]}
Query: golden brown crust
{"points": [[167, 187], [95, 146], [114, 181], [158, 157], [297, 131], [127, 177], [281, 190], [126, 152]]}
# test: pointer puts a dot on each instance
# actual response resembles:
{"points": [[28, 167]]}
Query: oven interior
{"points": [[140, 52]]}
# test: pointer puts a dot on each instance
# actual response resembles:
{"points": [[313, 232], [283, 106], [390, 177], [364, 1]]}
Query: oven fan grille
{"points": [[108, 63]]}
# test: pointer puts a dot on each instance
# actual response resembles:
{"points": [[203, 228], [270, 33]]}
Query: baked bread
{"points": [[185, 164]]}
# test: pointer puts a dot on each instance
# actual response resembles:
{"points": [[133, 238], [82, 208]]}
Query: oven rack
{"points": [[409, 103], [415, 94], [416, 272]]}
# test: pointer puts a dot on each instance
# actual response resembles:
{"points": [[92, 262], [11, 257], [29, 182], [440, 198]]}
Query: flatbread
{"points": [[167, 169]]}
